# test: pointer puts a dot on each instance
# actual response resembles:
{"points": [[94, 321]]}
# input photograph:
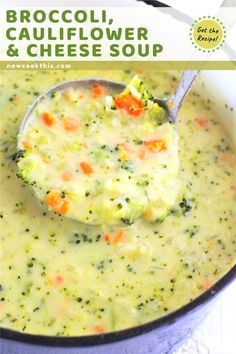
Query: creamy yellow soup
{"points": [[101, 159], [62, 277]]}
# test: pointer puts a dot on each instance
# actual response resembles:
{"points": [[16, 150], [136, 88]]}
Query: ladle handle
{"points": [[186, 81]]}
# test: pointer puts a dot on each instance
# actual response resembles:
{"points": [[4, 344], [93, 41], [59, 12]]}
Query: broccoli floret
{"points": [[137, 89], [157, 113], [185, 206], [55, 94], [26, 164], [163, 217], [20, 154], [127, 165], [127, 221], [23, 176], [137, 141]]}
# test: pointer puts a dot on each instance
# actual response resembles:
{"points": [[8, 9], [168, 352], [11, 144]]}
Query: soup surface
{"points": [[101, 159], [61, 277]]}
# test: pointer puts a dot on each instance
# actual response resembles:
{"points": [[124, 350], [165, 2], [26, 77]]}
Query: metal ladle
{"points": [[171, 105]]}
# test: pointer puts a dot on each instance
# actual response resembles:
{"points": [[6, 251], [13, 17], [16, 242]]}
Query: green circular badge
{"points": [[207, 33]]}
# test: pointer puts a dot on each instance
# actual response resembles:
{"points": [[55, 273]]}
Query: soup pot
{"points": [[165, 334]]}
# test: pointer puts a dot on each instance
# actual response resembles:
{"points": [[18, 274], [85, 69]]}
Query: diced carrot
{"points": [[203, 123], [16, 99], [118, 236], [99, 329], [46, 159], [62, 308], [48, 119], [171, 272], [57, 203], [86, 168], [233, 188], [206, 284], [142, 154], [1, 306], [226, 158], [27, 146], [166, 302], [70, 124], [59, 280], [170, 104], [156, 145], [97, 91], [106, 237], [67, 175], [49, 281], [129, 103], [147, 214]]}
